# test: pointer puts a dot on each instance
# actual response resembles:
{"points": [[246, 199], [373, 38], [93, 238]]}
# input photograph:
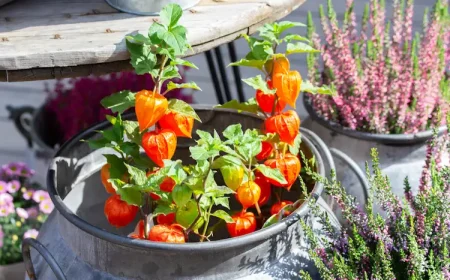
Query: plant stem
{"points": [[189, 229], [257, 208], [158, 83], [206, 223]]}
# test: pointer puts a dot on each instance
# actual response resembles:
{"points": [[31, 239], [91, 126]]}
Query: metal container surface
{"points": [[148, 7], [79, 243]]}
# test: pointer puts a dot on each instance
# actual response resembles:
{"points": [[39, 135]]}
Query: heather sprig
{"points": [[408, 240], [387, 80]]}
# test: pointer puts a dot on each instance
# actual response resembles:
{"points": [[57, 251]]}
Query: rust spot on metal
{"points": [[57, 36], [5, 39], [109, 30]]}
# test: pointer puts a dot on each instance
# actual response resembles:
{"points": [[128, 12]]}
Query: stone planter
{"points": [[78, 243], [15, 271], [401, 155]]}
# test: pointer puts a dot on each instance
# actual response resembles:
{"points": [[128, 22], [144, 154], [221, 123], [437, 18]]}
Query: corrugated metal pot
{"points": [[401, 155], [148, 7], [78, 243]]}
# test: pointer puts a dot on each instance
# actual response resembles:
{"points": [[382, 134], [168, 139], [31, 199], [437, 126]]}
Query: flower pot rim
{"points": [[257, 236], [387, 139]]}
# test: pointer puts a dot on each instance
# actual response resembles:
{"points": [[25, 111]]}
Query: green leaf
{"points": [[119, 102], [310, 88], [142, 59], [163, 209], [170, 72], [137, 39], [271, 221], [294, 149], [129, 148], [274, 174], [138, 176], [170, 14], [282, 26], [174, 170], [259, 83], [223, 215], [183, 108], [226, 160], [213, 190], [99, 143], [201, 153], [205, 136], [195, 183], [299, 47], [222, 201], [171, 85], [259, 64], [156, 32], [233, 131], [132, 131], [248, 150], [130, 195], [117, 167], [249, 106], [176, 38], [179, 61], [295, 37], [181, 194]]}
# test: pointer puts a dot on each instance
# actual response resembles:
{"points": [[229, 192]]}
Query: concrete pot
{"points": [[77, 242], [15, 271]]}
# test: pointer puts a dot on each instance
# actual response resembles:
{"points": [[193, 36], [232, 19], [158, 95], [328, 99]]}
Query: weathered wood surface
{"points": [[45, 39]]}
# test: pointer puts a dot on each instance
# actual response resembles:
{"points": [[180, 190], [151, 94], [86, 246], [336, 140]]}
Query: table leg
{"points": [[236, 72], [214, 77]]}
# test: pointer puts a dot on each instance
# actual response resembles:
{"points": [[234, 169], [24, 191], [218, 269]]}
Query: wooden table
{"points": [[48, 39]]}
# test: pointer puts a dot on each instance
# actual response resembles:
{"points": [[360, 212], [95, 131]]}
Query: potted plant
{"points": [[24, 207], [159, 194], [391, 86], [74, 105], [410, 240]]}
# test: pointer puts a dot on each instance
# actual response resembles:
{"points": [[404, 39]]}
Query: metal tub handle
{"points": [[27, 243]]}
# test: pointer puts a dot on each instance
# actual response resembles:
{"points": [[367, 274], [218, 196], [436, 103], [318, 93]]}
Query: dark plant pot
{"points": [[401, 155], [78, 243]]}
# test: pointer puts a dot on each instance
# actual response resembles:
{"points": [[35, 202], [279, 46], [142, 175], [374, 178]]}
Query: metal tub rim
{"points": [[229, 243]]}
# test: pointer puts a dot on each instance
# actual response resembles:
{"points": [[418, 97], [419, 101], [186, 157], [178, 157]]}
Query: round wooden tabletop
{"points": [[48, 39]]}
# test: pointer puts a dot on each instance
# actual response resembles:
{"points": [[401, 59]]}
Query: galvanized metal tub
{"points": [[78, 243], [148, 7]]}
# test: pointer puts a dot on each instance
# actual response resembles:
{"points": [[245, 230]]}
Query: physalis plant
{"points": [[174, 202]]}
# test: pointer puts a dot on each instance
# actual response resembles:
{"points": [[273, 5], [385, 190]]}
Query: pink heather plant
{"points": [[24, 207], [77, 106], [386, 80], [410, 241]]}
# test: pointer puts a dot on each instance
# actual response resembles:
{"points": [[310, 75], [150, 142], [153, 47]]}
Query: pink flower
{"points": [[28, 194], [13, 186], [46, 206], [31, 233], [6, 209], [40, 195], [32, 212], [5, 198], [3, 186], [22, 213]]}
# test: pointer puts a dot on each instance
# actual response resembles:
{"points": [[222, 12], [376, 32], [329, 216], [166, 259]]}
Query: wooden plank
{"points": [[48, 35]]}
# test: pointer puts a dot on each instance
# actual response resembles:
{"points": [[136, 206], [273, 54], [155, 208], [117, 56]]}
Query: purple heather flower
{"points": [[40, 195], [3, 186], [13, 169], [28, 194], [13, 186], [22, 213], [32, 212], [31, 233], [46, 206]]}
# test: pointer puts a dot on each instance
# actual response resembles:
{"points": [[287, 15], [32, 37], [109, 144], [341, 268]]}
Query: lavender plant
{"points": [[387, 80], [412, 240], [24, 207]]}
